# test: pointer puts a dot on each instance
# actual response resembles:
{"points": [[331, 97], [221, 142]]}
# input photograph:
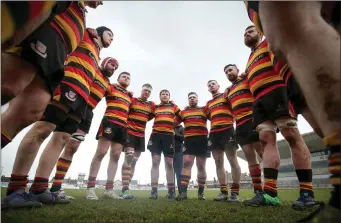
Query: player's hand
{"points": [[171, 102], [130, 93], [93, 32], [226, 91], [242, 75]]}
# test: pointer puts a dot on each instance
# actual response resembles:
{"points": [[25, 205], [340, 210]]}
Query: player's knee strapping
{"points": [[266, 127], [78, 136], [129, 156], [288, 123]]}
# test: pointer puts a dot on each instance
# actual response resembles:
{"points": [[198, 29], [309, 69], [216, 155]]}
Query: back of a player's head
{"points": [[164, 91]]}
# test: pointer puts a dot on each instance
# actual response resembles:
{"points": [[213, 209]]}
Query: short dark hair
{"points": [[124, 72], [249, 27], [211, 81], [164, 90], [192, 93], [229, 65], [147, 85]]}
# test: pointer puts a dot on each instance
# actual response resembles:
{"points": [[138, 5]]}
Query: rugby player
{"points": [[111, 133], [195, 146], [162, 141], [222, 139], [62, 115], [313, 54], [178, 159], [241, 101], [140, 112], [99, 89], [271, 110], [42, 53], [19, 19]]}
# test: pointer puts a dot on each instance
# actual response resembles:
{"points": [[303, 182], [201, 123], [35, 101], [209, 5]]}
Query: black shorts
{"points": [[196, 146], [138, 143], [222, 140], [159, 143], [65, 121], [112, 132], [45, 50], [245, 134], [86, 122], [71, 98], [271, 107], [295, 95]]}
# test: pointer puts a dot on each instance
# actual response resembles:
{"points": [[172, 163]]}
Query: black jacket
{"points": [[179, 138]]}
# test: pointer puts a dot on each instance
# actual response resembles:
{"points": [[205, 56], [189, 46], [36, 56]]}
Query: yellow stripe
{"points": [[68, 30], [83, 63], [48, 5], [221, 111], [80, 20], [264, 81], [334, 169], [335, 181], [333, 139], [258, 52], [89, 47], [77, 77], [7, 23], [96, 92]]}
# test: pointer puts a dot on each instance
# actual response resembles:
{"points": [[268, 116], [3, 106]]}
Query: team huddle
{"points": [[52, 76]]}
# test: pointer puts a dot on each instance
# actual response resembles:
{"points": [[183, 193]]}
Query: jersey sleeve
{"points": [[206, 111], [152, 113]]}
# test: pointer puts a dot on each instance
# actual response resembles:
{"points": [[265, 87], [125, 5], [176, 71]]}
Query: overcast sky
{"points": [[172, 45]]}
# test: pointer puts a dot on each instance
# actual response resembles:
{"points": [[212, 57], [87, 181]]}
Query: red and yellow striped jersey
{"points": [[260, 72], [118, 103], [164, 121], [241, 101], [81, 67], [195, 121], [16, 14], [282, 68], [70, 25], [218, 111], [139, 114], [99, 88], [252, 11]]}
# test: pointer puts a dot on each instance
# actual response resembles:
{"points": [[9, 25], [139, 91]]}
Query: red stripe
{"points": [[267, 90], [36, 8], [242, 122]]}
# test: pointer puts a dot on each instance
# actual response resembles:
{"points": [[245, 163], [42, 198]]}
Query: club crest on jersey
{"points": [[108, 130], [183, 149], [71, 95], [209, 143], [39, 48], [150, 142], [171, 146]]}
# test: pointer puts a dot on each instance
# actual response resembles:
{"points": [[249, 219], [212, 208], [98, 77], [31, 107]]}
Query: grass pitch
{"points": [[142, 209]]}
